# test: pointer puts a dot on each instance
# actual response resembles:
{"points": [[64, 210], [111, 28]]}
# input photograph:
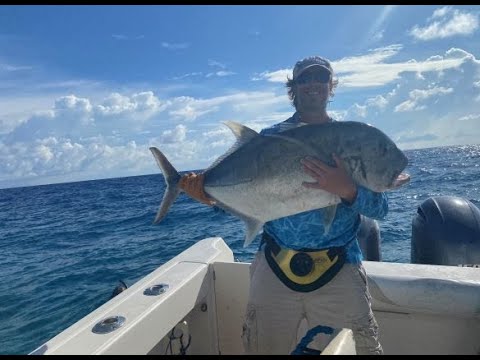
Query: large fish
{"points": [[260, 178]]}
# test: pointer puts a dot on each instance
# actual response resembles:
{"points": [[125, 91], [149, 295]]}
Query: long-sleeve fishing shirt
{"points": [[306, 230]]}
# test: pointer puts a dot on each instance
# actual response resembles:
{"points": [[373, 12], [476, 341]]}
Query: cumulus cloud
{"points": [[437, 108], [73, 108], [143, 103], [446, 22], [75, 117], [81, 137], [178, 134], [66, 159], [189, 109], [418, 96]]}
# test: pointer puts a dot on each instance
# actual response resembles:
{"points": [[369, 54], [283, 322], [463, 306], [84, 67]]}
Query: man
{"points": [[337, 296]]}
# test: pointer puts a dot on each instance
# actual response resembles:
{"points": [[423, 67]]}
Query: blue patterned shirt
{"points": [[306, 229]]}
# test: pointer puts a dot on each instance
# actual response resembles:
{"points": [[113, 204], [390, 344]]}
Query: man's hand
{"points": [[335, 180]]}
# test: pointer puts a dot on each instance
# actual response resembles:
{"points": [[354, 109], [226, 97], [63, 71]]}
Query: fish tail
{"points": [[172, 178]]}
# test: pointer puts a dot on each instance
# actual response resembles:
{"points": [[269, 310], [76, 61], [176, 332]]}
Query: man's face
{"points": [[313, 89]]}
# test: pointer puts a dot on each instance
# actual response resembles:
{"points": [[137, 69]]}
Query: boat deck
{"points": [[198, 299]]}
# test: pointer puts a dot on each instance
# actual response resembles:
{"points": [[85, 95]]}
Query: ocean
{"points": [[66, 246]]}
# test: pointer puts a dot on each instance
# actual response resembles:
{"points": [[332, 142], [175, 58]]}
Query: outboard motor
{"points": [[446, 231], [369, 239]]}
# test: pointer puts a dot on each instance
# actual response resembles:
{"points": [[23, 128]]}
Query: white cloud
{"points": [[178, 134], [11, 68], [116, 104], [96, 136], [73, 110], [224, 73], [221, 132], [273, 76], [435, 109], [43, 153], [73, 103], [470, 117], [358, 110], [121, 111], [375, 33], [216, 64], [446, 22], [220, 73], [189, 109], [62, 159], [15, 111], [418, 96], [371, 70], [378, 101], [61, 145], [175, 46], [126, 37], [187, 75]]}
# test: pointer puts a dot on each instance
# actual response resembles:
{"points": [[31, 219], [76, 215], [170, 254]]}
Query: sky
{"points": [[86, 90]]}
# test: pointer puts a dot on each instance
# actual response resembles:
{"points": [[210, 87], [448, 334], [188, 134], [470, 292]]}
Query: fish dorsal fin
{"points": [[243, 134]]}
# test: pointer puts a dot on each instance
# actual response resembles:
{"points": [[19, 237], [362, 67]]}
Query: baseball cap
{"points": [[309, 62]]}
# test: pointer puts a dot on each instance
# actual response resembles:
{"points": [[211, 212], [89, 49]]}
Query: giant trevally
{"points": [[260, 178]]}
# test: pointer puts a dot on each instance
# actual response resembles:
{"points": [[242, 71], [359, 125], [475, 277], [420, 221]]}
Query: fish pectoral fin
{"points": [[328, 216], [253, 227]]}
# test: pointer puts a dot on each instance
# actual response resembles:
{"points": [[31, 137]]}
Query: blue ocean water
{"points": [[66, 246]]}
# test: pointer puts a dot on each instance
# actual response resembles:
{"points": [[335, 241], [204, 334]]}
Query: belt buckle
{"points": [[301, 264]]}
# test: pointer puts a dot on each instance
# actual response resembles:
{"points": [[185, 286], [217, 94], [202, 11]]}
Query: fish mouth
{"points": [[400, 180]]}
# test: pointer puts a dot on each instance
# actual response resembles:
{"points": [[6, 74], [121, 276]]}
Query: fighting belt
{"points": [[303, 270]]}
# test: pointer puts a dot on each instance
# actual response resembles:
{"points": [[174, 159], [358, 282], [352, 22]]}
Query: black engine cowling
{"points": [[446, 231]]}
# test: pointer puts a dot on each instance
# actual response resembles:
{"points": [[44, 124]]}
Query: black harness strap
{"points": [[301, 265]]}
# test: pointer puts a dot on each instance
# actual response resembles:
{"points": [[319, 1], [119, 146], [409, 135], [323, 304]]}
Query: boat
{"points": [[194, 303]]}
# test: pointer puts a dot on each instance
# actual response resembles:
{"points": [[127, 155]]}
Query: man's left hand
{"points": [[335, 180]]}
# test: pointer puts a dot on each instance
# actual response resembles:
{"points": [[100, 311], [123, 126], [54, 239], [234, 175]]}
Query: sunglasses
{"points": [[315, 76]]}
